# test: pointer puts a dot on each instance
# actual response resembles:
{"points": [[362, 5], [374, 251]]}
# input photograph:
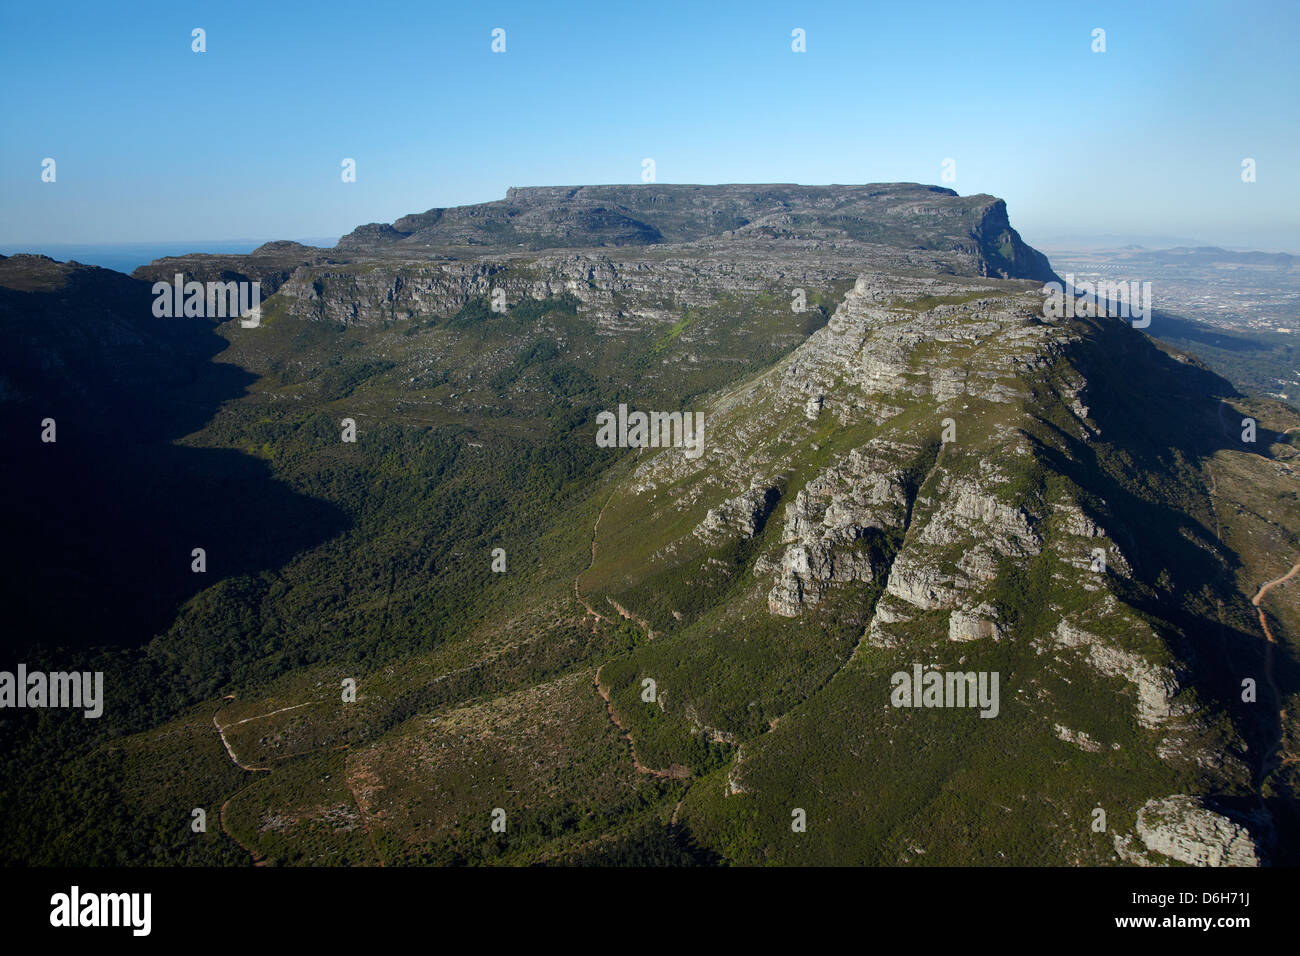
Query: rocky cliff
{"points": [[896, 215], [943, 453]]}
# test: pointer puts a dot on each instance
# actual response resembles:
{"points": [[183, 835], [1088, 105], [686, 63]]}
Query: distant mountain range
{"points": [[1209, 255], [1169, 253]]}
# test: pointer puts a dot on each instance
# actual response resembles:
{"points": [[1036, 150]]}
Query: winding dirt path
{"points": [[221, 731], [577, 592], [629, 616], [676, 810], [589, 609], [1282, 755], [258, 858], [674, 772], [230, 751], [1279, 755], [361, 814], [1263, 591]]}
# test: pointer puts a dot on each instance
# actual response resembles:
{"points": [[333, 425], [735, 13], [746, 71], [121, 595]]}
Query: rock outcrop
{"points": [[830, 522], [1184, 829], [1156, 686]]}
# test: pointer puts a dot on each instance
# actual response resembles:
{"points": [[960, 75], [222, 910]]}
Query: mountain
{"points": [[1188, 258], [569, 653], [890, 217], [1212, 255], [830, 537]]}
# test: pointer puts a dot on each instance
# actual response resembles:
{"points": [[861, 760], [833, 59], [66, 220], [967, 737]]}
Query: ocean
{"points": [[128, 256]]}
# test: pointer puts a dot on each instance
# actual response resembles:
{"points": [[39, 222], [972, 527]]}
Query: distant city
{"points": [[1253, 298]]}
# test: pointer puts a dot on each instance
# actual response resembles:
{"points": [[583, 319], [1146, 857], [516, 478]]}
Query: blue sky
{"points": [[154, 142]]}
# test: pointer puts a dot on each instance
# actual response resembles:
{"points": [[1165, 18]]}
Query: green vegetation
{"points": [[431, 486], [371, 561]]}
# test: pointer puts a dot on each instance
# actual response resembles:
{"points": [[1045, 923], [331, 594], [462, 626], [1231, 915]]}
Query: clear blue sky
{"points": [[154, 142]]}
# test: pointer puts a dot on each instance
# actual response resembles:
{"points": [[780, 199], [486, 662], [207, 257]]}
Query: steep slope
{"points": [[107, 512], [939, 485]]}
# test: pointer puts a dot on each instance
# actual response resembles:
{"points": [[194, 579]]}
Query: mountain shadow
{"points": [[100, 525], [1162, 417]]}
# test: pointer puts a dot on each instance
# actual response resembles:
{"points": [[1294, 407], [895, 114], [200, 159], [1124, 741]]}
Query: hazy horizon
{"points": [[114, 254]]}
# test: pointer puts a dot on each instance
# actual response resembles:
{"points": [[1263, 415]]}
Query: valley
{"points": [[911, 474]]}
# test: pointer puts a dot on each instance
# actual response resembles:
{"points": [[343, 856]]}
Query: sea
{"points": [[129, 256]]}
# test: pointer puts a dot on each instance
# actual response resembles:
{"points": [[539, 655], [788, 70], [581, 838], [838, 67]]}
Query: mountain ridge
{"points": [[830, 535], [542, 217]]}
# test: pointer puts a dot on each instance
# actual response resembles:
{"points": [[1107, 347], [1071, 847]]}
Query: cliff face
{"points": [[617, 291], [896, 215], [614, 246], [1004, 253], [270, 264]]}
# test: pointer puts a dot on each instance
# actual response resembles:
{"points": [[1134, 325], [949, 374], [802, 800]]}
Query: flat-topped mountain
{"points": [[902, 215], [653, 248]]}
